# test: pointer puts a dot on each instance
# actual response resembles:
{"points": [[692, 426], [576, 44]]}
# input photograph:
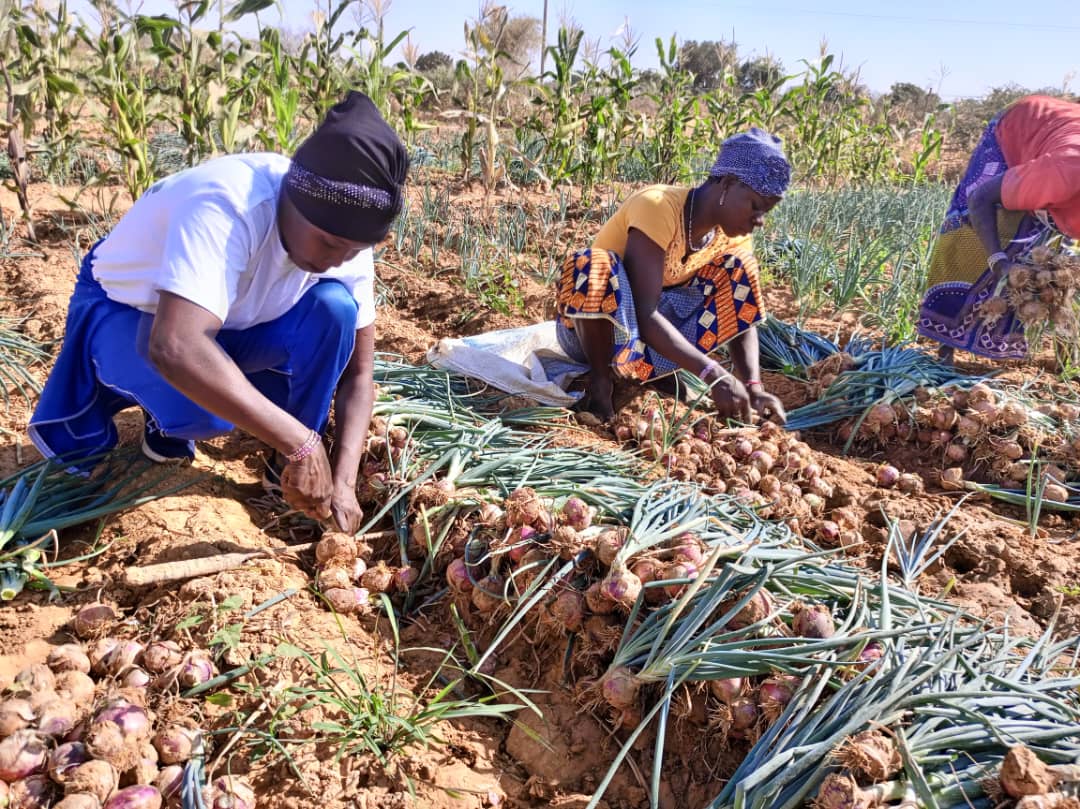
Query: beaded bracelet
{"points": [[304, 449], [710, 367]]}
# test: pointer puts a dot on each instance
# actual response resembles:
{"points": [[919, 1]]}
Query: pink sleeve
{"points": [[1045, 182]]}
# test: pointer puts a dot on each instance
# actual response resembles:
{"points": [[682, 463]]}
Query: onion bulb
{"points": [[92, 620], [621, 586], [33, 679], [78, 800], [140, 796], [457, 576], [75, 686], [620, 688], [335, 547], [68, 657], [33, 792], [523, 507], [812, 621], [230, 792], [952, 478], [840, 791], [1024, 773], [15, 714], [196, 669], [887, 475], [775, 693], [162, 655], [757, 609], [96, 777], [487, 594], [122, 657], [57, 717], [329, 578], [169, 780], [378, 579], [577, 513], [405, 578], [609, 543], [98, 653], [568, 608], [66, 758], [910, 483], [872, 755], [175, 743], [727, 690], [22, 754]]}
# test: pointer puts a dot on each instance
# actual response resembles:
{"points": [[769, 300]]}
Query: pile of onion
{"points": [[64, 742], [344, 578]]}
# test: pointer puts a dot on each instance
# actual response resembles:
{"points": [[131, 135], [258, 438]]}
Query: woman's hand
{"points": [[989, 280], [308, 486], [730, 398], [766, 403], [345, 508], [982, 289]]}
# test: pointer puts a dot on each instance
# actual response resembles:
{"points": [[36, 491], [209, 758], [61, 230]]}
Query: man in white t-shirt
{"points": [[239, 293]]}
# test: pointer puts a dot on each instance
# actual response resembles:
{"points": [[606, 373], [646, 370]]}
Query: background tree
{"points": [[709, 62]]}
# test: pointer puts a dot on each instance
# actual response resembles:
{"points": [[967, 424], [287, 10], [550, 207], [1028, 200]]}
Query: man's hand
{"points": [[308, 486], [766, 403], [346, 510], [730, 398]]}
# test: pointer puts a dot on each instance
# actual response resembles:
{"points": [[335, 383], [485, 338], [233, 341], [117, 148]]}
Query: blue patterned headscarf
{"points": [[757, 159]]}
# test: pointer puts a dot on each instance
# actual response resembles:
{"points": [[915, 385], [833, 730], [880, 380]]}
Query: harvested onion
{"points": [[22, 754], [92, 620]]}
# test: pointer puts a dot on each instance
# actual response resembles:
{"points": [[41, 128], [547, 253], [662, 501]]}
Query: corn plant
{"points": [[282, 98], [668, 148], [557, 120], [121, 80], [485, 92], [51, 93], [322, 73]]}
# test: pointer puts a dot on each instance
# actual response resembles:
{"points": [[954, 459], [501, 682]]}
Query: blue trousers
{"points": [[295, 361]]}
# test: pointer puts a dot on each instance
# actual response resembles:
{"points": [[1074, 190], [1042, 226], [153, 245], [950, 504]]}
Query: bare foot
{"points": [[597, 400]]}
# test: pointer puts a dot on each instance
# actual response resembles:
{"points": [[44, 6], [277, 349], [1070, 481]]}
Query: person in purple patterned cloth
{"points": [[1021, 188], [239, 293]]}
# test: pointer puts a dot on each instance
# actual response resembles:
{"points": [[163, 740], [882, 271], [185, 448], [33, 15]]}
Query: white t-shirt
{"points": [[209, 235]]}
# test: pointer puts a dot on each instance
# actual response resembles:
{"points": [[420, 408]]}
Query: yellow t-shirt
{"points": [[657, 211]]}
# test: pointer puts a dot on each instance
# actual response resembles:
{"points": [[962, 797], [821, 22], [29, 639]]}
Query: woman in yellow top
{"points": [[672, 277]]}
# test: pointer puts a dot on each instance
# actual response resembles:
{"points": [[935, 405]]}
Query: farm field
{"points": [[665, 611]]}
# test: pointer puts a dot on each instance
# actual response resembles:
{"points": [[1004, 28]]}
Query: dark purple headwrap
{"points": [[347, 177], [757, 158]]}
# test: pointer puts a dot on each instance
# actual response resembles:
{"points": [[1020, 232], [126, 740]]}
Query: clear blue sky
{"points": [[958, 50], [963, 49]]}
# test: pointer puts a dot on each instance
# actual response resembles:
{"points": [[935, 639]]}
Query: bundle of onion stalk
{"points": [[984, 432], [45, 498], [581, 579], [883, 642], [923, 725], [1042, 288], [78, 726], [877, 378], [790, 349], [767, 629]]}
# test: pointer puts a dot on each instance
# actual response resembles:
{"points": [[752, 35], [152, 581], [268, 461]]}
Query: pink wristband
{"points": [[304, 449], [752, 382]]}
